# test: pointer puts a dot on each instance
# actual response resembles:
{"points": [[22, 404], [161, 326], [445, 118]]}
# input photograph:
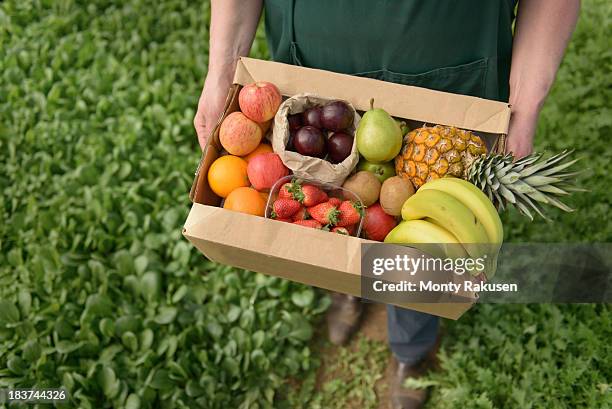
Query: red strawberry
{"points": [[324, 213], [285, 208], [308, 195], [350, 213], [340, 230], [335, 201], [301, 214], [285, 191], [309, 223]]}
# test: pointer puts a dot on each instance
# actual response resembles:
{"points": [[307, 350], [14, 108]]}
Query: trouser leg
{"points": [[412, 334]]}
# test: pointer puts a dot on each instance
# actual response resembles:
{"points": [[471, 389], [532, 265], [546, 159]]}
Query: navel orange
{"points": [[245, 200], [226, 174]]}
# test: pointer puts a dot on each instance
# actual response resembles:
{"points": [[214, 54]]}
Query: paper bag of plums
{"points": [[315, 137]]}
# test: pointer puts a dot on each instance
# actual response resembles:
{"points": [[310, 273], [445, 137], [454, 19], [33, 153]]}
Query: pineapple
{"points": [[433, 152]]}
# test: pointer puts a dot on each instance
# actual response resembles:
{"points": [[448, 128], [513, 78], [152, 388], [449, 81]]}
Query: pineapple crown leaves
{"points": [[527, 182]]}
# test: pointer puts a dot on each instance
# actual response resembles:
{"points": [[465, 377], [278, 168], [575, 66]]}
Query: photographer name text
{"points": [[450, 287]]}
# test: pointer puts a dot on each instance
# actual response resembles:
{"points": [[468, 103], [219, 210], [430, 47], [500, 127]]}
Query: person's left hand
{"points": [[521, 132]]}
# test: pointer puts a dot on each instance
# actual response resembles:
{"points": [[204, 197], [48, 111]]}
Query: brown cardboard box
{"points": [[309, 256]]}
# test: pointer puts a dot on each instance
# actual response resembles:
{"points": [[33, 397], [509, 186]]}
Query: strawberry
{"points": [[301, 214], [309, 223], [285, 208], [308, 195], [335, 201], [284, 220], [340, 230], [350, 213], [324, 213], [285, 191]]}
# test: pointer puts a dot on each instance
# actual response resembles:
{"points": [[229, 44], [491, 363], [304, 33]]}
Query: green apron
{"points": [[447, 45]]}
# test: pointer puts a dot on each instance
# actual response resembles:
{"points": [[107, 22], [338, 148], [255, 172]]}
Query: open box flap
{"points": [[404, 101]]}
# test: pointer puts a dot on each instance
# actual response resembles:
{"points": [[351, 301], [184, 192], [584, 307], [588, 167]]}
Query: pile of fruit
{"points": [[250, 168], [322, 131], [460, 186]]}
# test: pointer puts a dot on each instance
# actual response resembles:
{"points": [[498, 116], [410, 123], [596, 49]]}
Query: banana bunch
{"points": [[448, 212]]}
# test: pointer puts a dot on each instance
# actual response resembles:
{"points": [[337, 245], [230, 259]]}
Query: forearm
{"points": [[543, 29], [233, 24]]}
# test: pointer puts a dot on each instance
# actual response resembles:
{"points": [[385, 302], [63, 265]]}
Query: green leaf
{"points": [[66, 347], [126, 323], [99, 305], [303, 298], [140, 263], [107, 327], [146, 339], [166, 315], [180, 293], [150, 285], [108, 381], [234, 313], [130, 341], [161, 380], [24, 299], [31, 350], [17, 365], [8, 312], [132, 401]]}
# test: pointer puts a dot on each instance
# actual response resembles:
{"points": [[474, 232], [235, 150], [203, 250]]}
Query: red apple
{"points": [[259, 101], [239, 135], [265, 169], [377, 224]]}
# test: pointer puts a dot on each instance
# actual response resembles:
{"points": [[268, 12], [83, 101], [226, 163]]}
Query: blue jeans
{"points": [[412, 334]]}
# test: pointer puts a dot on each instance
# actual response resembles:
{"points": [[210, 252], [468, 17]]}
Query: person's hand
{"points": [[210, 105], [521, 132]]}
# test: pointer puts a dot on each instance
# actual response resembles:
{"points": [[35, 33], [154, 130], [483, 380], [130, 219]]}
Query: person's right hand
{"points": [[210, 105]]}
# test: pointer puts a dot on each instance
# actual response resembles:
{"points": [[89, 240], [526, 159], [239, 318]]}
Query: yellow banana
{"points": [[415, 232], [475, 200], [449, 212]]}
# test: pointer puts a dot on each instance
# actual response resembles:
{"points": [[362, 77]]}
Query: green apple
{"points": [[382, 171]]}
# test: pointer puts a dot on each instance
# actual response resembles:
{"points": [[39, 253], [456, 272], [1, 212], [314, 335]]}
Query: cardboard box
{"points": [[313, 257]]}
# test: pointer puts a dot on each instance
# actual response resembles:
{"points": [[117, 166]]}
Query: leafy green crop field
{"points": [[99, 292]]}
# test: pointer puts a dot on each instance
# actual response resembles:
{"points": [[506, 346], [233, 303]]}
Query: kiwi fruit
{"points": [[365, 185], [393, 193]]}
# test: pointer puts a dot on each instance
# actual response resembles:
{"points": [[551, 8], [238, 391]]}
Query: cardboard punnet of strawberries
{"points": [[305, 165]]}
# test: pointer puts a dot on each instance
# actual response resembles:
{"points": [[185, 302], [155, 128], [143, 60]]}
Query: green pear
{"points": [[379, 137]]}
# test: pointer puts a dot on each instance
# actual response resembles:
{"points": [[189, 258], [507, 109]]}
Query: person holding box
{"points": [[481, 49]]}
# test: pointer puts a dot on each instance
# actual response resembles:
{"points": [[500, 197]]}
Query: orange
{"points": [[226, 174], [262, 148], [245, 200]]}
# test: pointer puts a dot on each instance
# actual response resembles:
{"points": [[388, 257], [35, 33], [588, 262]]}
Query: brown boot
{"points": [[343, 317], [407, 398]]}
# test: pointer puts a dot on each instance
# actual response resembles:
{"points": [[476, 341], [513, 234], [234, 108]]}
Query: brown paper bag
{"points": [[306, 166]]}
